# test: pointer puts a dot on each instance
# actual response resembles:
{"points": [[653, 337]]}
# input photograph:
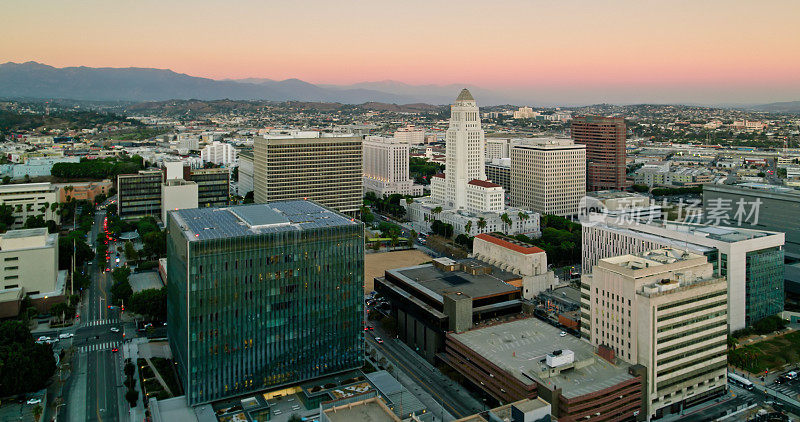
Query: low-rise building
{"points": [[528, 358], [30, 200], [86, 191], [431, 299], [516, 257], [30, 268]]}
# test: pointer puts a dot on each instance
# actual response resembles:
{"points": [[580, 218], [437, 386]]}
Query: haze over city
{"points": [[537, 52]]}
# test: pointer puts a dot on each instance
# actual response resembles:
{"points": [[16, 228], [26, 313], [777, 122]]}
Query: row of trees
{"points": [[561, 240], [98, 168], [677, 191], [388, 205]]}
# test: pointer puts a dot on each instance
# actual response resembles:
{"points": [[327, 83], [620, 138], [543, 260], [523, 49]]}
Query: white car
{"points": [[562, 334], [43, 338], [114, 329], [66, 335], [35, 400]]}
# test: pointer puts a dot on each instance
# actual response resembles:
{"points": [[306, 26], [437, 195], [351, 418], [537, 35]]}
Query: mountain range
{"points": [[34, 80]]}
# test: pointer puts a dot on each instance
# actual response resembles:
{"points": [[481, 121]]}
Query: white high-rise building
{"points": [[410, 135], [462, 196], [465, 151], [386, 167], [218, 153]]}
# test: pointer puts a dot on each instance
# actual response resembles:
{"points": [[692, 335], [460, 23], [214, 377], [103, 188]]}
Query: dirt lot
{"points": [[376, 263]]}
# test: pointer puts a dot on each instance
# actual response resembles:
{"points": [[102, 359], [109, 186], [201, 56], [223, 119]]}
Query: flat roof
{"points": [[435, 282], [22, 233], [519, 346], [248, 220], [364, 411]]}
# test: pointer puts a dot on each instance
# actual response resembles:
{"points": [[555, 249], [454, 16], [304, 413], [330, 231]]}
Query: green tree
{"points": [[25, 366], [151, 303], [132, 397], [506, 221], [468, 227], [481, 224]]}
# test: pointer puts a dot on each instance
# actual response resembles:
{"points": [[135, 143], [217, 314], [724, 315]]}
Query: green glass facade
{"points": [[264, 308], [764, 284]]}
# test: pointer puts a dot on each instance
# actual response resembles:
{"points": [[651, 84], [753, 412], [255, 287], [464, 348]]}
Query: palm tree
{"points": [[523, 216], [468, 227], [395, 240], [506, 221], [481, 224], [436, 210], [409, 201]]}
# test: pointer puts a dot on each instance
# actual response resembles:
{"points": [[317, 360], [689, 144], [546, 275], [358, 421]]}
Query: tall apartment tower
{"points": [[263, 295], [604, 138], [327, 170], [548, 175], [465, 151], [666, 310], [386, 162]]}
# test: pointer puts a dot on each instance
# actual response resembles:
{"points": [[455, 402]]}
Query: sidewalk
{"points": [[130, 350]]}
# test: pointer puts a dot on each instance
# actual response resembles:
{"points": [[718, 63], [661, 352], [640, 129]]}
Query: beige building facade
{"points": [[177, 194], [29, 267], [30, 199], [327, 170], [548, 176], [665, 309]]}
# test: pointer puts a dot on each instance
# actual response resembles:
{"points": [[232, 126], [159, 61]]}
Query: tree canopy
{"points": [[25, 366]]}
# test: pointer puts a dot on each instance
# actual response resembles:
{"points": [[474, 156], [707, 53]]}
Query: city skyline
{"points": [[680, 52]]}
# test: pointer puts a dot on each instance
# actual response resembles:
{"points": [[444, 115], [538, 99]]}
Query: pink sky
{"points": [[747, 49]]}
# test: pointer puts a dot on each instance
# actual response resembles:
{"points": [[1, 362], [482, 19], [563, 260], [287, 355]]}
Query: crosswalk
{"points": [[100, 346], [785, 388], [101, 322]]}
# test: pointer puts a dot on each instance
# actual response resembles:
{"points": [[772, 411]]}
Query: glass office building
{"points": [[263, 295], [764, 282]]}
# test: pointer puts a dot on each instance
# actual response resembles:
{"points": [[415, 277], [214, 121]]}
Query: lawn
{"points": [[768, 354]]}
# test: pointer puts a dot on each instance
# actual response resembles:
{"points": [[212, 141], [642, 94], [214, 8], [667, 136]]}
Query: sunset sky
{"points": [[556, 51]]}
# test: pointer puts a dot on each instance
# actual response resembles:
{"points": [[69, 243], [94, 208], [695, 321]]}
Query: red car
{"points": [[115, 350]]}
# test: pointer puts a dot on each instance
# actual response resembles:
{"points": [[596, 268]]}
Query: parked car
{"points": [[34, 400], [114, 329]]}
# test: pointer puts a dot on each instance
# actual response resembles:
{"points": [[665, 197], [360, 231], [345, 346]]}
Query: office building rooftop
{"points": [[246, 220], [482, 280], [522, 347]]}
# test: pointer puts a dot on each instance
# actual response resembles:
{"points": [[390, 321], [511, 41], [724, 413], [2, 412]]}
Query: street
{"points": [[100, 377]]}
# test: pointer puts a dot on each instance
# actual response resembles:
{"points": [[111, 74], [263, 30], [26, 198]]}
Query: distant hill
{"points": [[784, 107], [36, 80]]}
